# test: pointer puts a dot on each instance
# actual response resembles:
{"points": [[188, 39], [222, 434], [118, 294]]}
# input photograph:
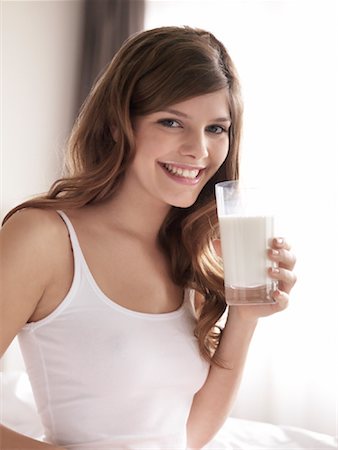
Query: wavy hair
{"points": [[154, 69]]}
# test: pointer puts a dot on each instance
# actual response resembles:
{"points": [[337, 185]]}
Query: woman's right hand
{"points": [[11, 440]]}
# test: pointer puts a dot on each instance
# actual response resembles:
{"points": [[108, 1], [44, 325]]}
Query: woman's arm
{"points": [[27, 251], [213, 402], [10, 440], [24, 270]]}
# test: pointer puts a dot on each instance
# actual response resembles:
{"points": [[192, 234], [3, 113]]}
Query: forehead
{"points": [[215, 104]]}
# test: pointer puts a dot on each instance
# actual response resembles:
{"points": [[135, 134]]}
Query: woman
{"points": [[121, 284]]}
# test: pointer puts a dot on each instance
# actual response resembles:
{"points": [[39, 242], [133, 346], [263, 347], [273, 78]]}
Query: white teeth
{"points": [[184, 173]]}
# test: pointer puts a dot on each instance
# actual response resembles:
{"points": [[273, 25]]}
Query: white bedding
{"points": [[19, 413]]}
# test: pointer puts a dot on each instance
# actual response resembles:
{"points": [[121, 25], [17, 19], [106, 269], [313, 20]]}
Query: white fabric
{"points": [[19, 413], [239, 434], [107, 377]]}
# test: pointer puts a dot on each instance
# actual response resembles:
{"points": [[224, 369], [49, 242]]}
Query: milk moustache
{"points": [[245, 240]]}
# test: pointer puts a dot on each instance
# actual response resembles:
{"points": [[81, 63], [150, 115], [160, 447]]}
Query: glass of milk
{"points": [[246, 229]]}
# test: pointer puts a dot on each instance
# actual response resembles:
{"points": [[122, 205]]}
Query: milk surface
{"points": [[244, 241]]}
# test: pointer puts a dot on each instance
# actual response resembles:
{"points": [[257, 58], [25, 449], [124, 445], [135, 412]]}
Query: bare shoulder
{"points": [[34, 237], [34, 246], [30, 222]]}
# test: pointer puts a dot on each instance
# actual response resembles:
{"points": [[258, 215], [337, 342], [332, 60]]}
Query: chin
{"points": [[183, 203]]}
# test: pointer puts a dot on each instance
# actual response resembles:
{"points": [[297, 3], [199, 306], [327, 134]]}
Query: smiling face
{"points": [[179, 149]]}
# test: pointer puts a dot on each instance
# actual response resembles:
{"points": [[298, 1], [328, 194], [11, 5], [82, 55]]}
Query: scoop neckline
{"points": [[100, 293], [117, 306]]}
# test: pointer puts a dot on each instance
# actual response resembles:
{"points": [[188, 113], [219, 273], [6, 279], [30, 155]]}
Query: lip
{"points": [[182, 165], [180, 179]]}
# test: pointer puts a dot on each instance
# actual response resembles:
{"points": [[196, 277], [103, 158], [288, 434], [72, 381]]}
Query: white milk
{"points": [[245, 240]]}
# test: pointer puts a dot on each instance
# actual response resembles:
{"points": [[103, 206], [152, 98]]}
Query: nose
{"points": [[195, 146]]}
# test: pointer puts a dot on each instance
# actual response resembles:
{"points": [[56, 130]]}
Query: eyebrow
{"points": [[182, 114]]}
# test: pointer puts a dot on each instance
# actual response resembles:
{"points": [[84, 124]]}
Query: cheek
{"points": [[220, 155], [148, 146], [144, 151], [218, 160]]}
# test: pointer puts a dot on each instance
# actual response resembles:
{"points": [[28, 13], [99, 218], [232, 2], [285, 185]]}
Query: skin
{"points": [[189, 134], [115, 236]]}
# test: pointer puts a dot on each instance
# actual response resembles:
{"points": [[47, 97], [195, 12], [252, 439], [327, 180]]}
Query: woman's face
{"points": [[180, 148]]}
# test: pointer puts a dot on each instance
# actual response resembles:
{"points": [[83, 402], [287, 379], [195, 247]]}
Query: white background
{"points": [[286, 55]]}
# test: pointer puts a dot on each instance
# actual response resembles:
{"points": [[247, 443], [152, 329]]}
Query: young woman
{"points": [[113, 280]]}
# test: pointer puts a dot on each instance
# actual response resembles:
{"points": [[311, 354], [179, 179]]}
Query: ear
{"points": [[217, 247], [114, 132], [198, 302]]}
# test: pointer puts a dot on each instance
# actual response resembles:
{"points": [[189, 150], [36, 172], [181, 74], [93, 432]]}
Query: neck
{"points": [[141, 217]]}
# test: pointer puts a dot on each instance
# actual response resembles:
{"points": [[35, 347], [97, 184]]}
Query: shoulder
{"points": [[34, 249], [31, 232], [33, 221]]}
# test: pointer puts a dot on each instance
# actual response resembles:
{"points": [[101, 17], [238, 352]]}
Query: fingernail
{"points": [[274, 252], [276, 293], [274, 270], [279, 241]]}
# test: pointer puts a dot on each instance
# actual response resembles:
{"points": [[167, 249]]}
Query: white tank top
{"points": [[106, 377]]}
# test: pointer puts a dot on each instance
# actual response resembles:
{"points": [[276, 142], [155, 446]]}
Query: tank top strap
{"points": [[72, 236]]}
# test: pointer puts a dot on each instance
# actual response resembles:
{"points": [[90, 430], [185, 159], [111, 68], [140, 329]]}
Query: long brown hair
{"points": [[152, 70]]}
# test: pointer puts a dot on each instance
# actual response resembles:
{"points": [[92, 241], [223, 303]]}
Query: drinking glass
{"points": [[246, 226]]}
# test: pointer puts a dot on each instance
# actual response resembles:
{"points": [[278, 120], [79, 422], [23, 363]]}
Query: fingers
{"points": [[285, 260], [286, 279], [282, 300], [280, 252], [280, 242]]}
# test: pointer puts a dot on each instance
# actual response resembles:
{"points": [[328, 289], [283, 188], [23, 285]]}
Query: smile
{"points": [[185, 173], [182, 173]]}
